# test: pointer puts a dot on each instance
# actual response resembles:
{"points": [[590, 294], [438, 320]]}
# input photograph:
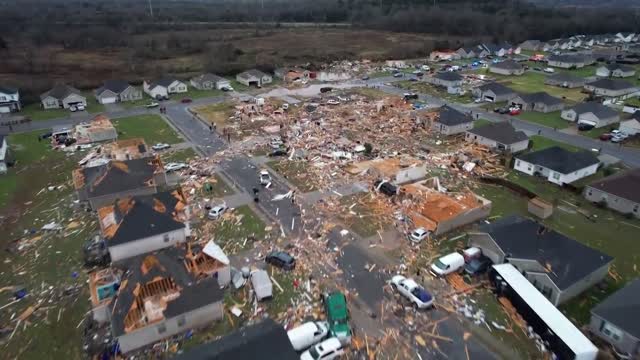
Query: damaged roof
{"points": [[117, 176], [566, 260], [560, 160], [138, 217], [162, 278], [248, 343], [452, 117], [503, 133]]}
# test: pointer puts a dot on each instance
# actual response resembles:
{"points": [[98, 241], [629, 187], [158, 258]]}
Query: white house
{"points": [[161, 88], [612, 88], [592, 113], [9, 100], [62, 96], [254, 77], [209, 81], [3, 154], [558, 165], [141, 224], [113, 91], [631, 126], [615, 70]]}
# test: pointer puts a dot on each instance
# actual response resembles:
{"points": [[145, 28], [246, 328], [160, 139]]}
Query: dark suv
{"points": [[281, 259], [478, 265], [386, 188]]}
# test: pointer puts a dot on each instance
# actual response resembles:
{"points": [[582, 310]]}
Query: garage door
{"points": [[108, 100], [489, 98], [4, 109]]}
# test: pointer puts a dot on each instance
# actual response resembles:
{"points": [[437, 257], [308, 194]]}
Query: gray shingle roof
{"points": [[208, 77], [621, 67], [625, 185], [248, 343], [497, 88], [253, 72], [599, 110], [560, 160], [564, 77], [451, 117], [540, 97], [119, 176], [60, 92], [193, 294], [116, 86], [7, 90], [622, 308], [503, 133], [567, 260], [612, 84], [507, 65], [448, 76], [568, 58], [164, 82]]}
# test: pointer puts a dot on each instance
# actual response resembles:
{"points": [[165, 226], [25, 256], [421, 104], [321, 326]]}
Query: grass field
{"points": [[137, 103], [531, 82], [93, 107], [596, 132], [362, 217], [36, 113], [245, 224], [52, 331], [540, 142], [216, 113], [428, 89], [219, 188], [194, 93], [296, 172], [552, 119], [152, 128], [481, 122], [178, 155]]}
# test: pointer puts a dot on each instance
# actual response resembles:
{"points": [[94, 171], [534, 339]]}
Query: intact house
{"points": [[558, 165], [247, 343], [254, 77], [9, 100], [612, 88], [481, 52], [135, 225], [540, 102], [101, 185], [565, 80], [615, 70], [466, 52], [449, 121], [161, 88], [592, 113], [631, 126], [531, 45], [568, 61], [114, 91], [209, 82], [561, 268], [507, 67], [499, 136], [62, 97], [620, 192], [4, 154], [494, 92], [440, 212], [449, 79], [159, 297], [625, 37], [615, 320]]}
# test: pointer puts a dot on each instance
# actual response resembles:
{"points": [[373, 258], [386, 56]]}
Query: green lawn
{"points": [[219, 188], [152, 128], [380, 74], [552, 119], [361, 216], [231, 232], [540, 142], [297, 173], [633, 101], [596, 132], [52, 332], [137, 103], [481, 122], [531, 82], [93, 106], [607, 231], [236, 85], [194, 93], [178, 155], [36, 113], [422, 87], [582, 72]]}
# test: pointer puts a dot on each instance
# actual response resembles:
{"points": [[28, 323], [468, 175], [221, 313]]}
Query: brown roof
{"points": [[625, 185]]}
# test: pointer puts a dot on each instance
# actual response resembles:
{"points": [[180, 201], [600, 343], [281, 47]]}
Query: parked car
{"points": [[413, 79], [152, 104], [77, 107], [186, 100], [418, 235], [335, 307], [410, 96], [385, 187], [333, 102], [410, 289], [549, 70], [617, 139], [365, 78], [477, 266], [447, 264], [537, 68], [226, 88], [425, 67], [514, 111], [308, 334], [398, 75], [160, 146], [585, 127], [264, 177], [279, 152], [326, 350], [216, 212], [281, 259], [606, 137], [502, 110], [175, 166], [325, 89]]}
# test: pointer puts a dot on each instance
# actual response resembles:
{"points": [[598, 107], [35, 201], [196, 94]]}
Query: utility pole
{"points": [[150, 8]]}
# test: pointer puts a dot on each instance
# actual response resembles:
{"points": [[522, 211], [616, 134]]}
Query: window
{"points": [[3, 98], [162, 328], [635, 208], [590, 192], [166, 237], [611, 331], [182, 320], [556, 176], [518, 163]]}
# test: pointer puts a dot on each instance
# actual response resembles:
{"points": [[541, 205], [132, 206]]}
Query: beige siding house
{"points": [[619, 192], [62, 97]]}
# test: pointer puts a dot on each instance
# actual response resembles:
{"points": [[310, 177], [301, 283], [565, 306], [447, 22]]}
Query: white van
{"points": [[326, 350], [447, 264], [308, 334]]}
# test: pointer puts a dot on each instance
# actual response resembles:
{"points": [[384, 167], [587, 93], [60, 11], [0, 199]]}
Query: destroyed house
{"points": [[128, 149], [449, 121], [558, 266], [395, 170], [101, 185], [440, 212], [97, 130], [159, 297], [248, 343], [103, 287], [135, 225]]}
